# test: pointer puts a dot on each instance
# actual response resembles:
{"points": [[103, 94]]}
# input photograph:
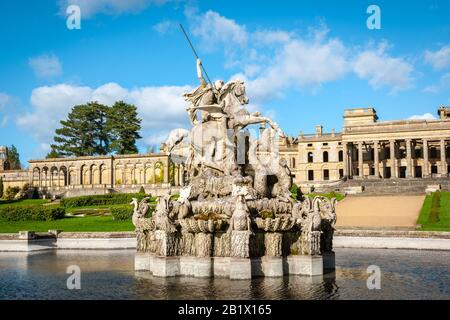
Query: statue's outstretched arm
{"points": [[199, 73]]}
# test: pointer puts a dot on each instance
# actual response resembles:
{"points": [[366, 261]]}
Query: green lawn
{"points": [[338, 196], [93, 223], [25, 202], [444, 214]]}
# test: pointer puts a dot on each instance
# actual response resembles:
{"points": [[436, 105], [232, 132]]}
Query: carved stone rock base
{"points": [[272, 243], [240, 241]]}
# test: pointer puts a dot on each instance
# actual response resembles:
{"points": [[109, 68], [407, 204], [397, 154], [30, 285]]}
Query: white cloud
{"points": [[89, 8], [5, 104], [214, 29], [45, 66], [439, 59], [164, 27], [268, 37], [425, 116], [444, 85], [161, 108], [273, 61], [4, 100], [301, 63], [382, 70]]}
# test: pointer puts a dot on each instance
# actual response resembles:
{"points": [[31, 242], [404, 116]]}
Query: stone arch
{"points": [[72, 176], [36, 177], [139, 173], [54, 177], [104, 174], [149, 173], [95, 174], [159, 172], [45, 176], [119, 174], [63, 177]]}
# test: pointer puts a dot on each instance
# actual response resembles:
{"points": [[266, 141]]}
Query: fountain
{"points": [[235, 218]]}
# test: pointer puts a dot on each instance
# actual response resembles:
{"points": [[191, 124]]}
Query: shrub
{"points": [[435, 205], [35, 193], [122, 212], [1, 187], [142, 190], [25, 187], [11, 192], [104, 199], [36, 213]]}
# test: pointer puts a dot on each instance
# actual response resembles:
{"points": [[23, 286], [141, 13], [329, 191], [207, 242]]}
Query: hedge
{"points": [[435, 205], [103, 199], [36, 213], [126, 212]]}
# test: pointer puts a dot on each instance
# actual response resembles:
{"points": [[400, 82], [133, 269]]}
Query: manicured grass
{"points": [[70, 224], [25, 202], [444, 214], [338, 196]]}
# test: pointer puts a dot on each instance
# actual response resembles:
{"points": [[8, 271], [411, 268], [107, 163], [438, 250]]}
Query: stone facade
{"points": [[370, 149], [98, 174]]}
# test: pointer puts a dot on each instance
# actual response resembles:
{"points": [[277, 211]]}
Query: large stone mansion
{"points": [[371, 149], [365, 149]]}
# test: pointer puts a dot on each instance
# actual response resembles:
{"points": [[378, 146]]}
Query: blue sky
{"points": [[303, 61]]}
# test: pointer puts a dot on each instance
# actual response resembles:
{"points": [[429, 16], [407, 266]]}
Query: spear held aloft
{"points": [[196, 55]]}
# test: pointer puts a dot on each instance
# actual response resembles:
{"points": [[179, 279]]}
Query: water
{"points": [[406, 274]]}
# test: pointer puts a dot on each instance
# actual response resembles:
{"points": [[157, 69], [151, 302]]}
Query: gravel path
{"points": [[379, 211]]}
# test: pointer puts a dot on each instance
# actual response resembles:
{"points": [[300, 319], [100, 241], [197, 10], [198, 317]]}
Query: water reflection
{"points": [[109, 275]]}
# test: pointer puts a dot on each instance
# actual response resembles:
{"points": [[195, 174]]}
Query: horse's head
{"points": [[236, 89]]}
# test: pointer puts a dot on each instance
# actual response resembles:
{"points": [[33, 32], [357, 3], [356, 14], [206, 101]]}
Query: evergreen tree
{"points": [[123, 126], [1, 187], [84, 133], [53, 154], [13, 158]]}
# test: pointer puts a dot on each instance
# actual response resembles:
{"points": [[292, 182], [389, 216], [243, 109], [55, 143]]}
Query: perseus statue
{"points": [[205, 95]]}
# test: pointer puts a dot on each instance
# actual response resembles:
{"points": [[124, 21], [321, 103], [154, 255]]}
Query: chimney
{"points": [[332, 132], [318, 131]]}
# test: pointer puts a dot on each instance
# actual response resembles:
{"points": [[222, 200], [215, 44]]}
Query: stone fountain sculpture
{"points": [[235, 218]]}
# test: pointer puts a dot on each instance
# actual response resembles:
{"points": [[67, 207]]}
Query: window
{"points": [[325, 144], [325, 156], [341, 173], [293, 162], [310, 157], [310, 175], [341, 155], [326, 174], [309, 144], [433, 153], [434, 169]]}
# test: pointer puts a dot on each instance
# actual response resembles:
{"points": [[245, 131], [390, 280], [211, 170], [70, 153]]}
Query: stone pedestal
{"points": [[199, 267], [165, 266], [272, 266], [240, 268], [221, 266], [305, 265], [329, 260], [142, 262]]}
